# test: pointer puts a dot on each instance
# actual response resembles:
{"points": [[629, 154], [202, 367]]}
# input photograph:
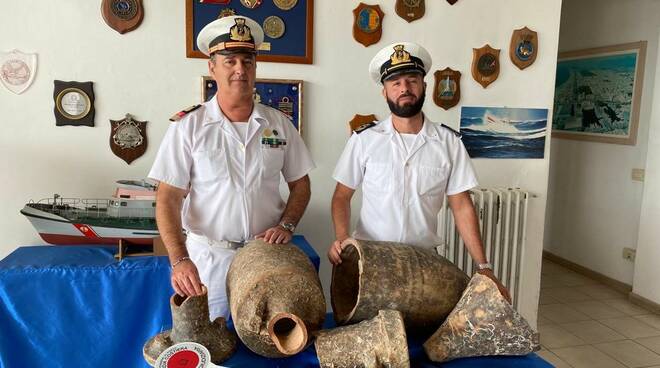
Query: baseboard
{"points": [[614, 284], [643, 302]]}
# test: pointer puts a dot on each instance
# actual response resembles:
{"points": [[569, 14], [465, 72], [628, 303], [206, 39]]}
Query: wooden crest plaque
{"points": [[410, 10], [485, 65], [361, 121], [128, 138], [452, 2], [447, 90], [524, 47], [122, 15], [367, 26]]}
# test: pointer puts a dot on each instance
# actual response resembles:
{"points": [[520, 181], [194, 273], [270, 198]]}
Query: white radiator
{"points": [[502, 216]]}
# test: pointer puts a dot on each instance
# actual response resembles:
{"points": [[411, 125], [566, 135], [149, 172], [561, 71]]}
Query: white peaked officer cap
{"points": [[398, 58], [229, 35]]}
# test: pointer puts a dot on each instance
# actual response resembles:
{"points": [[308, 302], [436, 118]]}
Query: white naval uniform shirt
{"points": [[233, 187], [403, 190]]}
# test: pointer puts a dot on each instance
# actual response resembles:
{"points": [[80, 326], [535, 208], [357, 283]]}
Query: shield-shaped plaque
{"points": [[128, 138], [122, 15], [452, 2], [410, 10], [447, 91], [367, 26], [485, 65], [361, 122], [524, 47], [17, 70]]}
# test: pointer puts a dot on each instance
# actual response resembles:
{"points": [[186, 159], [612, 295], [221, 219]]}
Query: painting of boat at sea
{"points": [[128, 215], [500, 132]]}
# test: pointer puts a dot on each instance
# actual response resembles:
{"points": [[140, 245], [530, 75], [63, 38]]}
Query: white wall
{"points": [[145, 72], [593, 204], [647, 263]]}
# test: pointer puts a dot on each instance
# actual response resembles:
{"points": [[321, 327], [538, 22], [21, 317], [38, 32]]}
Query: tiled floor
{"points": [[586, 324]]}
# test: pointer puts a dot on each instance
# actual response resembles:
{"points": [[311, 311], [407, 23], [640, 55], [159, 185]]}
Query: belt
{"points": [[227, 244]]}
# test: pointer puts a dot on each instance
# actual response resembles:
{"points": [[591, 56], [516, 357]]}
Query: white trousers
{"points": [[212, 264]]}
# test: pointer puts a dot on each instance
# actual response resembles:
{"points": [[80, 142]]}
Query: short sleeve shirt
{"points": [[233, 187], [403, 189]]}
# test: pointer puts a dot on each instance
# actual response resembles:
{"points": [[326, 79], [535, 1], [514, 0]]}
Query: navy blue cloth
{"points": [[76, 306]]}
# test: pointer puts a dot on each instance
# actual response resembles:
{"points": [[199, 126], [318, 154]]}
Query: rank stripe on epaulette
{"points": [[459, 135], [179, 115], [364, 127]]}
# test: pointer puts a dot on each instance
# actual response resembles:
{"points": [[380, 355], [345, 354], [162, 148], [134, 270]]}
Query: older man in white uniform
{"points": [[219, 169], [406, 164]]}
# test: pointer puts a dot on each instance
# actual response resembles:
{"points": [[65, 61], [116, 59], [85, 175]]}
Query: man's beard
{"points": [[407, 109]]}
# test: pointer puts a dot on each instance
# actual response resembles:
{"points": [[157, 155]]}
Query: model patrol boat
{"points": [[129, 215]]}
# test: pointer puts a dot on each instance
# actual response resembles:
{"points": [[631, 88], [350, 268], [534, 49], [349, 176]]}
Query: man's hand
{"points": [[503, 290], [334, 253], [276, 235], [185, 279]]}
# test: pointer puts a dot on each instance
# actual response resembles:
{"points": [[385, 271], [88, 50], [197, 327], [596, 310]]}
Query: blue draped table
{"points": [[77, 306]]}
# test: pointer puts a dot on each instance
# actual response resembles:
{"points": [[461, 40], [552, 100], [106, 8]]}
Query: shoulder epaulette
{"points": [[179, 115], [452, 130], [364, 127]]}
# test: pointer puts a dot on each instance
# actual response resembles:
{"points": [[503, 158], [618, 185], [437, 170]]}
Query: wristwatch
{"points": [[484, 266], [288, 226]]}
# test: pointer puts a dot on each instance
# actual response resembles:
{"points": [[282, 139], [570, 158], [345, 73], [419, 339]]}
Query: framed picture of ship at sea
{"points": [[288, 26], [285, 95], [598, 93], [502, 132]]}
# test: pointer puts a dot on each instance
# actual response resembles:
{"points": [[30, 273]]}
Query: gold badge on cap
{"points": [[523, 48], [240, 31], [410, 10], [367, 24], [400, 55], [485, 65]]}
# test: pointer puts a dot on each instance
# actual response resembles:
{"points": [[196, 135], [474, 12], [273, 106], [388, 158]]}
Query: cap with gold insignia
{"points": [[229, 35], [398, 58]]}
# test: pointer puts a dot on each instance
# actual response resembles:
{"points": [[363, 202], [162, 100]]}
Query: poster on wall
{"points": [[285, 95], [501, 132], [598, 92]]}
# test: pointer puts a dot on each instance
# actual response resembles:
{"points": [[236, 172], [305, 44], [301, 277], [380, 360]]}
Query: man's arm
{"points": [[468, 226], [341, 217], [299, 194], [185, 278]]}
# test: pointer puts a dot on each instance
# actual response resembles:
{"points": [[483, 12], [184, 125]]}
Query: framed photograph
{"points": [[285, 95], [502, 132], [288, 26], [598, 92]]}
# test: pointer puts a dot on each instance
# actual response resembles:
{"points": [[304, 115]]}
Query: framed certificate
{"points": [[288, 26], [285, 95], [74, 103]]}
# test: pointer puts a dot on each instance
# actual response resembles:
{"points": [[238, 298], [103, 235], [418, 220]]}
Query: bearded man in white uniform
{"points": [[219, 169], [406, 164]]}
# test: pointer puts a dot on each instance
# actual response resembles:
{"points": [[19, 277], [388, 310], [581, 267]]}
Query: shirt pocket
{"points": [[210, 165], [272, 162], [431, 180], [377, 178]]}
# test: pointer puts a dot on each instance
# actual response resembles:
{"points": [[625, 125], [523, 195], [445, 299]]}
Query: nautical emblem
{"points": [[251, 4], [128, 138], [367, 24], [285, 4], [122, 15], [410, 10], [226, 12], [362, 122], [273, 26], [17, 70], [485, 65], [400, 55], [239, 31], [74, 103], [447, 91], [286, 106], [524, 47]]}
